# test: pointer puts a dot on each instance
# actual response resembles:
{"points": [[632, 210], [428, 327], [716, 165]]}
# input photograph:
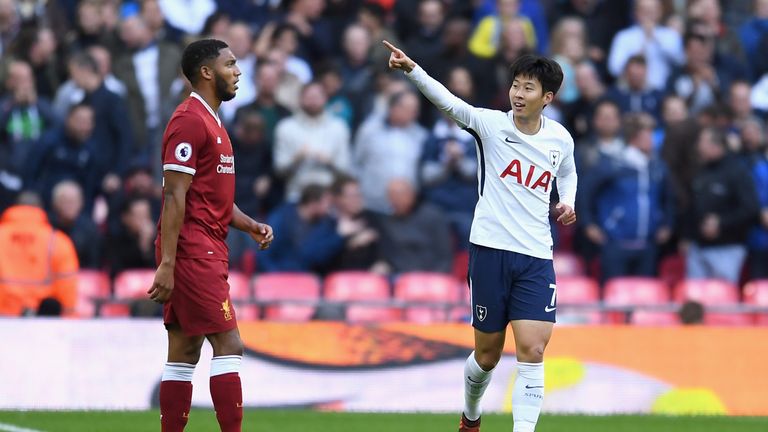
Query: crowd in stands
{"points": [[667, 102]]}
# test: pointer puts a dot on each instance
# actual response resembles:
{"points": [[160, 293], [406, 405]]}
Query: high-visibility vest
{"points": [[36, 262]]}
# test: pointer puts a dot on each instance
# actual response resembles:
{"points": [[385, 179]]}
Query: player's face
{"points": [[226, 74], [527, 97]]}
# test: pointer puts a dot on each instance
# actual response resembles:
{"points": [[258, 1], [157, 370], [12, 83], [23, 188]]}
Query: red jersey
{"points": [[196, 143]]}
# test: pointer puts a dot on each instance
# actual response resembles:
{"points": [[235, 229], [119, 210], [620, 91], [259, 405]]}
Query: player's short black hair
{"points": [[541, 68], [197, 54]]}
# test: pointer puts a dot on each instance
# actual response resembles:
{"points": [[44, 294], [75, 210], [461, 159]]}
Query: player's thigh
{"points": [[183, 348], [489, 288], [226, 343], [533, 295], [531, 339], [488, 348], [200, 300]]}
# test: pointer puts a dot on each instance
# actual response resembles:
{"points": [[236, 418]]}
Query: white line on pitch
{"points": [[5, 427]]}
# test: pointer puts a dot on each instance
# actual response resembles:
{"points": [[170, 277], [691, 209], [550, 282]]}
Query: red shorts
{"points": [[200, 302]]}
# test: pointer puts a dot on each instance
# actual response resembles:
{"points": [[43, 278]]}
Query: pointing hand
{"points": [[398, 59]]}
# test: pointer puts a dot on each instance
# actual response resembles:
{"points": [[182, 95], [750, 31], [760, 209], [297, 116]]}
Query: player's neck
{"points": [[210, 98], [528, 125]]}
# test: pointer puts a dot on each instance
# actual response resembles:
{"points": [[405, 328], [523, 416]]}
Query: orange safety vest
{"points": [[36, 261]]}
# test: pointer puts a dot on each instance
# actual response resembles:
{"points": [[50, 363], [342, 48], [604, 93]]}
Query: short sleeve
{"points": [[185, 137]]}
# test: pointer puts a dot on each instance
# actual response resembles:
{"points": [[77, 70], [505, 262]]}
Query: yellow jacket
{"points": [[485, 40]]}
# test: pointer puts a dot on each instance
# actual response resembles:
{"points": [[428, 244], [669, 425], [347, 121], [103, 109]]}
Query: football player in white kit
{"points": [[511, 277]]}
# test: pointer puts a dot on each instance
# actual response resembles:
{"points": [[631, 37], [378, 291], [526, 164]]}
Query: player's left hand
{"points": [[567, 214], [263, 235]]}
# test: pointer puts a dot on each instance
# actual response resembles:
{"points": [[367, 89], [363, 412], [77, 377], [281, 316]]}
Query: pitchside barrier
{"points": [[606, 369]]}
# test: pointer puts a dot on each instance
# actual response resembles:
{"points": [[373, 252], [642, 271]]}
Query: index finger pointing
{"points": [[390, 46]]}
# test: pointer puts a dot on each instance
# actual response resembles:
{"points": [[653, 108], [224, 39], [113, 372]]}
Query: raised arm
{"points": [[463, 113]]}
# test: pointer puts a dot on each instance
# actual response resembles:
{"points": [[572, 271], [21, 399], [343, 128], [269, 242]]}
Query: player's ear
{"points": [[548, 96], [206, 72]]}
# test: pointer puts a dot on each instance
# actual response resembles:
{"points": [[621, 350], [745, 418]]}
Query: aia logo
{"points": [[515, 170]]}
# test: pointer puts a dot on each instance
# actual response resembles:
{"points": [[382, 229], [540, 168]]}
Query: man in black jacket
{"points": [[724, 208]]}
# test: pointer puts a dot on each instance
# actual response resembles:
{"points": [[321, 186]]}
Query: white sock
{"points": [[528, 396], [225, 364], [178, 372], [476, 380]]}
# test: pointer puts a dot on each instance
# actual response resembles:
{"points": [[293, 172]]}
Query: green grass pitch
{"points": [[310, 421]]}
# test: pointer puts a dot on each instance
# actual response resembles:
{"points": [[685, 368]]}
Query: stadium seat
{"points": [[712, 292], [274, 287], [247, 312], [115, 310], [133, 284], [91, 284], [359, 286], [756, 294], [427, 287], [577, 290], [460, 265], [653, 318], [629, 291], [239, 286], [567, 264]]}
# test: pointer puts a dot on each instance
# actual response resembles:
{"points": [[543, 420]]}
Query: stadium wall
{"points": [[116, 364]]}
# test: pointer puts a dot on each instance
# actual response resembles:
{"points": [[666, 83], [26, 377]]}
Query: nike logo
{"points": [[549, 309], [511, 142], [532, 387], [476, 382]]}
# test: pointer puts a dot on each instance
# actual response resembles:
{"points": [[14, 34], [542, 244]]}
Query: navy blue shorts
{"points": [[507, 286]]}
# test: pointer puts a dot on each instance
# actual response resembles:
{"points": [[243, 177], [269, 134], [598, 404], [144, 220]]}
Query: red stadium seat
{"points": [[427, 287], [567, 264], [712, 292], [239, 286], [351, 286], [460, 265], [652, 318], [707, 291], [756, 294], [247, 312], [133, 284], [577, 290], [629, 291], [91, 284], [287, 286], [115, 310]]}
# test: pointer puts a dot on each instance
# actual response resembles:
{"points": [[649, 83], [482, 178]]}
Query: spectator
{"points": [[754, 151], [485, 40], [680, 154], [312, 146], [389, 148], [425, 44], [37, 46], [24, 117], [416, 236], [68, 216], [136, 183], [37, 262], [90, 28], [512, 45], [703, 75], [240, 39], [69, 93], [112, 129], [569, 44], [355, 69], [661, 46], [578, 114], [627, 204], [691, 313], [722, 213], [133, 245], [148, 70], [256, 189], [373, 17], [187, 17], [309, 240], [361, 250], [448, 173], [706, 17], [338, 104], [754, 38], [67, 153], [315, 35], [288, 91], [154, 18], [266, 104], [740, 104], [632, 93], [605, 142], [10, 23]]}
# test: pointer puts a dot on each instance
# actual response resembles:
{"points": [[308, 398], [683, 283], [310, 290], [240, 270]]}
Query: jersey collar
{"points": [[208, 107]]}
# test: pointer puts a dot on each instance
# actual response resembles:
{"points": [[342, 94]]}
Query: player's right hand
{"points": [[162, 285], [398, 59]]}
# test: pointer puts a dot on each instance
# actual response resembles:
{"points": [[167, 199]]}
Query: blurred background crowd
{"points": [[666, 101]]}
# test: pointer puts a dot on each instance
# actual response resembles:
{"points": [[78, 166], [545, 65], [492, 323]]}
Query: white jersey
{"points": [[515, 172]]}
